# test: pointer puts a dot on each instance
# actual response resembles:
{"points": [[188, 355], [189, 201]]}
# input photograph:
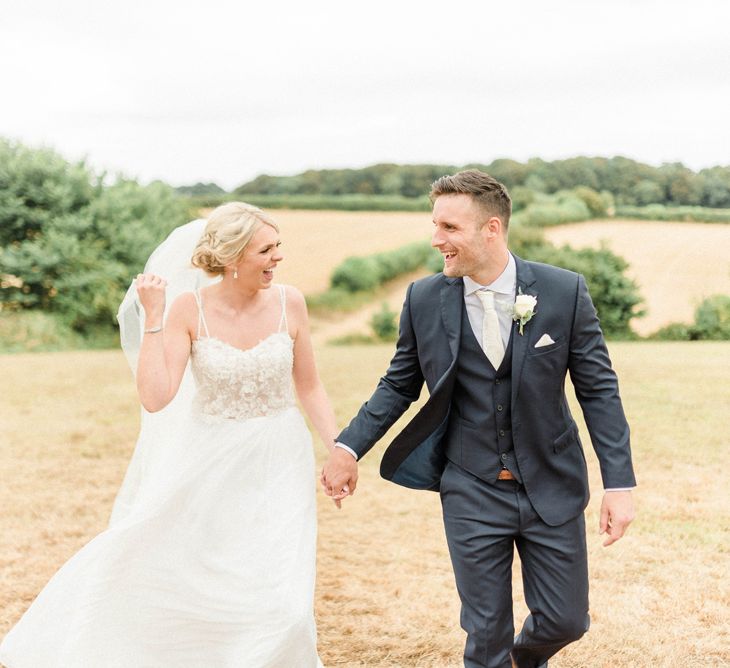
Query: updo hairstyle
{"points": [[228, 231]]}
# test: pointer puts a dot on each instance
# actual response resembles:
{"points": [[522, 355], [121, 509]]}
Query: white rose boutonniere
{"points": [[524, 309]]}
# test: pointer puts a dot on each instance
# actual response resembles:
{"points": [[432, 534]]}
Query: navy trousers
{"points": [[484, 523]]}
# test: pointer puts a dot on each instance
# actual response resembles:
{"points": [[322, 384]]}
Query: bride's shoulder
{"points": [[293, 295], [185, 303], [185, 298], [295, 303]]}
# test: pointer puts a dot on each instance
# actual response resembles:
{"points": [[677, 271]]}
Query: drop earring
{"points": [[235, 273]]}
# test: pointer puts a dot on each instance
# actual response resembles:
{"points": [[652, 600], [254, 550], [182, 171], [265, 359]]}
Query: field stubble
{"points": [[385, 593]]}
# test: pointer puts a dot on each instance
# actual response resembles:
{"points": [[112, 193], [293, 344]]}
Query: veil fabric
{"points": [[157, 458]]}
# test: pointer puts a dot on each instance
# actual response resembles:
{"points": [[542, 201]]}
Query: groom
{"points": [[493, 337]]}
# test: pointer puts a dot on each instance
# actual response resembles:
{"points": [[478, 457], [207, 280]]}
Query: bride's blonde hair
{"points": [[228, 231]]}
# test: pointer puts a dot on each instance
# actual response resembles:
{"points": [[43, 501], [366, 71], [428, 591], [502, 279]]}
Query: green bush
{"points": [[615, 296], [357, 274], [598, 203], [522, 239], [70, 246], [521, 197], [384, 324], [562, 207], [711, 323], [676, 331], [402, 260], [712, 318], [38, 186]]}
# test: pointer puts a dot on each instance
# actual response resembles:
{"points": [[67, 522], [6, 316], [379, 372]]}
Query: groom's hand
{"points": [[339, 474], [617, 512]]}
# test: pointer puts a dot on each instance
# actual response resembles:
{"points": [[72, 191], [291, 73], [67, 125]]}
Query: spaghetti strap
{"points": [[282, 321], [201, 317]]}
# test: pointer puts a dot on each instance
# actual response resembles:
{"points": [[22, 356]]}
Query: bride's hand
{"points": [[151, 291]]}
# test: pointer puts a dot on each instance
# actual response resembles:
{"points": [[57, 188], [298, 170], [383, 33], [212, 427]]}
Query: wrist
{"points": [[344, 448], [153, 320]]}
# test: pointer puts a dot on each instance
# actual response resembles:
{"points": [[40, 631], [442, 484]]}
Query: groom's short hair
{"points": [[486, 191]]}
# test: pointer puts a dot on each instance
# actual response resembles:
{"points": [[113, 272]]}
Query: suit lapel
{"points": [[452, 305], [526, 283]]}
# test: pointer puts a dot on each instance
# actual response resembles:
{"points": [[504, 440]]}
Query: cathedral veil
{"points": [[152, 467]]}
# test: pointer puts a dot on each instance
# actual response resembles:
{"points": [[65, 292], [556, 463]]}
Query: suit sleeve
{"points": [[596, 388], [397, 390]]}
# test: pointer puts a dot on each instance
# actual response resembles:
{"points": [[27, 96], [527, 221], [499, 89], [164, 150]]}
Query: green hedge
{"points": [[568, 206], [690, 214], [354, 202], [358, 274]]}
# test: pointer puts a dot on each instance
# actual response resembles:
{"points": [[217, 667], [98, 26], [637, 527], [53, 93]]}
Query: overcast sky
{"points": [[223, 91]]}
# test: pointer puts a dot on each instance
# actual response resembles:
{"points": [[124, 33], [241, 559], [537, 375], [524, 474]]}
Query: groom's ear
{"points": [[493, 228]]}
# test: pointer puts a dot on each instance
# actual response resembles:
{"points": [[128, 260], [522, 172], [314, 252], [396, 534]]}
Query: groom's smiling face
{"points": [[461, 234]]}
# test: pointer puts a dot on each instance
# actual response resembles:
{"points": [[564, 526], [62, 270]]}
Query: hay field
{"points": [[675, 264], [385, 594], [315, 242]]}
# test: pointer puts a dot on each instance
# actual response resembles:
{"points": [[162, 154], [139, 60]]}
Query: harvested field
{"points": [[675, 264], [385, 595]]}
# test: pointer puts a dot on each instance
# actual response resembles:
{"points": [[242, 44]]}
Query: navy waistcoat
{"points": [[479, 438]]}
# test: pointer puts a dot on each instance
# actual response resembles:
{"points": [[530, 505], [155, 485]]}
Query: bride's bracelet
{"points": [[153, 330]]}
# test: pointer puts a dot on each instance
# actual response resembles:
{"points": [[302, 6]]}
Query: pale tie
{"points": [[491, 336]]}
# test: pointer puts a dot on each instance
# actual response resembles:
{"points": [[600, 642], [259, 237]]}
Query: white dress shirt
{"points": [[504, 288]]}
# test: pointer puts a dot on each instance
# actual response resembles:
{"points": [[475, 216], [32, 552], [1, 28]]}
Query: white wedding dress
{"points": [[213, 566]]}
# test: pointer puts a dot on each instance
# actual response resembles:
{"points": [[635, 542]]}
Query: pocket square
{"points": [[545, 340]]}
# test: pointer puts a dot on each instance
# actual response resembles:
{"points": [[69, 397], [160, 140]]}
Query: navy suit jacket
{"points": [[545, 436]]}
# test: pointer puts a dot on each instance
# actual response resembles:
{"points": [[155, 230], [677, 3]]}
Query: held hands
{"points": [[339, 475], [151, 291], [617, 512]]}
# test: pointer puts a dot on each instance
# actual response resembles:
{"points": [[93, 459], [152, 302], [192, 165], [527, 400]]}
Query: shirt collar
{"points": [[504, 284]]}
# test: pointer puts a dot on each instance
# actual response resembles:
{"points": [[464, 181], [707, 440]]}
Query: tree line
{"points": [[631, 183]]}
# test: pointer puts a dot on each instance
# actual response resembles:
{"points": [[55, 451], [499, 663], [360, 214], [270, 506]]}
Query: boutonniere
{"points": [[524, 308]]}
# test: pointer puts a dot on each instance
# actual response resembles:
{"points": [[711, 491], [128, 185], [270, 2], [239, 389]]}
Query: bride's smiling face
{"points": [[262, 254]]}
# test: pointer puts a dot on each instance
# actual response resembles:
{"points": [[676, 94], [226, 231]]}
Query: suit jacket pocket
{"points": [[568, 437], [546, 350]]}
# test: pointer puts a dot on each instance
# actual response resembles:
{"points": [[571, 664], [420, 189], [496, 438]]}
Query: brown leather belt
{"points": [[505, 474]]}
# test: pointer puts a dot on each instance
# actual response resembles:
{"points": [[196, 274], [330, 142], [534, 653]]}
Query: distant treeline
{"points": [[630, 182]]}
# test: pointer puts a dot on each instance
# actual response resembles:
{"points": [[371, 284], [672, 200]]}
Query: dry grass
{"points": [[385, 594], [675, 264]]}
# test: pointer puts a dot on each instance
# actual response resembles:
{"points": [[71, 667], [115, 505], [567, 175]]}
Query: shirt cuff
{"points": [[344, 447], [619, 489]]}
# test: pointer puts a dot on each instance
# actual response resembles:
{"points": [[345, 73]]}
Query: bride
{"points": [[209, 558]]}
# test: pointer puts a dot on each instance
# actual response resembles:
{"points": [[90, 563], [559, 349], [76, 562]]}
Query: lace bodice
{"points": [[239, 384]]}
